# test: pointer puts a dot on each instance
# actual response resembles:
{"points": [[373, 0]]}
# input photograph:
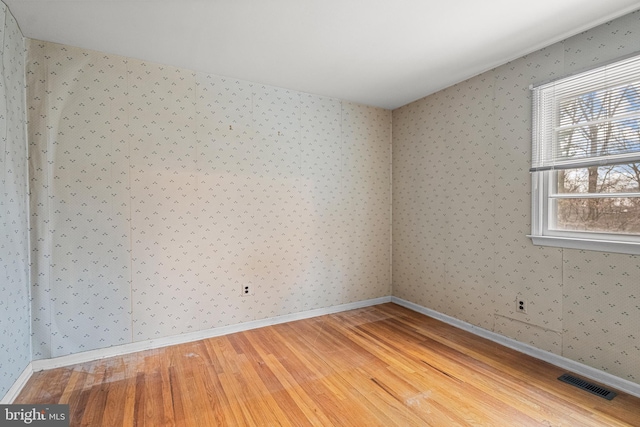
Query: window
{"points": [[586, 160]]}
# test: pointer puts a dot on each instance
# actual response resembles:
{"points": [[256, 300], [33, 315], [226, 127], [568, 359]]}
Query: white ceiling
{"points": [[385, 53]]}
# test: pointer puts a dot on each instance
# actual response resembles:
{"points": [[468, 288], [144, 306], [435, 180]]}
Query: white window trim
{"points": [[610, 74], [542, 235]]}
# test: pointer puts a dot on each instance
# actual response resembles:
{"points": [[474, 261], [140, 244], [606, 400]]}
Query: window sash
{"points": [[548, 151], [593, 195], [545, 233]]}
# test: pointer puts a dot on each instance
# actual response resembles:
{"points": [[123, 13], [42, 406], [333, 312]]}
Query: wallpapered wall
{"points": [[462, 210], [15, 349], [158, 192]]}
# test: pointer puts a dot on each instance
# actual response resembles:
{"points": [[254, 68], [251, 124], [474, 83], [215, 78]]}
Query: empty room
{"points": [[328, 213]]}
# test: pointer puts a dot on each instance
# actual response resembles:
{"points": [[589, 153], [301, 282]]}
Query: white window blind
{"points": [[591, 118]]}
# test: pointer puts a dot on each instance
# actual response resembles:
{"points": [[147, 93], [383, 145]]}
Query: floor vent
{"points": [[587, 386]]}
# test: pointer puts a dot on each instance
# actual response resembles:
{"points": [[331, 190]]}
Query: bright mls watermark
{"points": [[34, 415]]}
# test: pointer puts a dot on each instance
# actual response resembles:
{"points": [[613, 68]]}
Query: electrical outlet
{"points": [[521, 305], [246, 290]]}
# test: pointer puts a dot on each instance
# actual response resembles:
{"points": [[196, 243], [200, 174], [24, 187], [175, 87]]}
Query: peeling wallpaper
{"points": [[462, 209], [158, 193], [15, 348]]}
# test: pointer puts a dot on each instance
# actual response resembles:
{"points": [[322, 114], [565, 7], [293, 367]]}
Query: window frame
{"points": [[543, 179], [543, 235]]}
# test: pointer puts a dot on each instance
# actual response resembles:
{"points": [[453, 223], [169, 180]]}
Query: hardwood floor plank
{"points": [[113, 408], [128, 402], [377, 366], [278, 398], [166, 397], [511, 365], [139, 409], [216, 399], [452, 389], [93, 411], [338, 399], [298, 395], [446, 361], [78, 397], [180, 416], [272, 356]]}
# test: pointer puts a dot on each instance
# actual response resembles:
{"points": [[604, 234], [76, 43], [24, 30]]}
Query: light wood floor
{"points": [[377, 366]]}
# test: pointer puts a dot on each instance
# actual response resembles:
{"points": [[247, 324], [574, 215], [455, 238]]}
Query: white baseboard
{"points": [[89, 356], [560, 361], [17, 386]]}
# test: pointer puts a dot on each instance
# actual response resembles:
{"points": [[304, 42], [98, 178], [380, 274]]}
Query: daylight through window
{"points": [[586, 160]]}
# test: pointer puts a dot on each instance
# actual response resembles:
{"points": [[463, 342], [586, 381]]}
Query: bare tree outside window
{"points": [[591, 126]]}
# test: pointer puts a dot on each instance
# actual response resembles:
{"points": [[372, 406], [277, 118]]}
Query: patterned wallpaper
{"points": [[462, 209], [158, 193], [15, 349]]}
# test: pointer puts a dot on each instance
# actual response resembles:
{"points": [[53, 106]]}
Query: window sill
{"points": [[587, 244]]}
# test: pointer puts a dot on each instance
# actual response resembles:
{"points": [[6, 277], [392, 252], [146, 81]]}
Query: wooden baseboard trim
{"points": [[560, 361], [91, 355], [17, 386], [88, 356]]}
